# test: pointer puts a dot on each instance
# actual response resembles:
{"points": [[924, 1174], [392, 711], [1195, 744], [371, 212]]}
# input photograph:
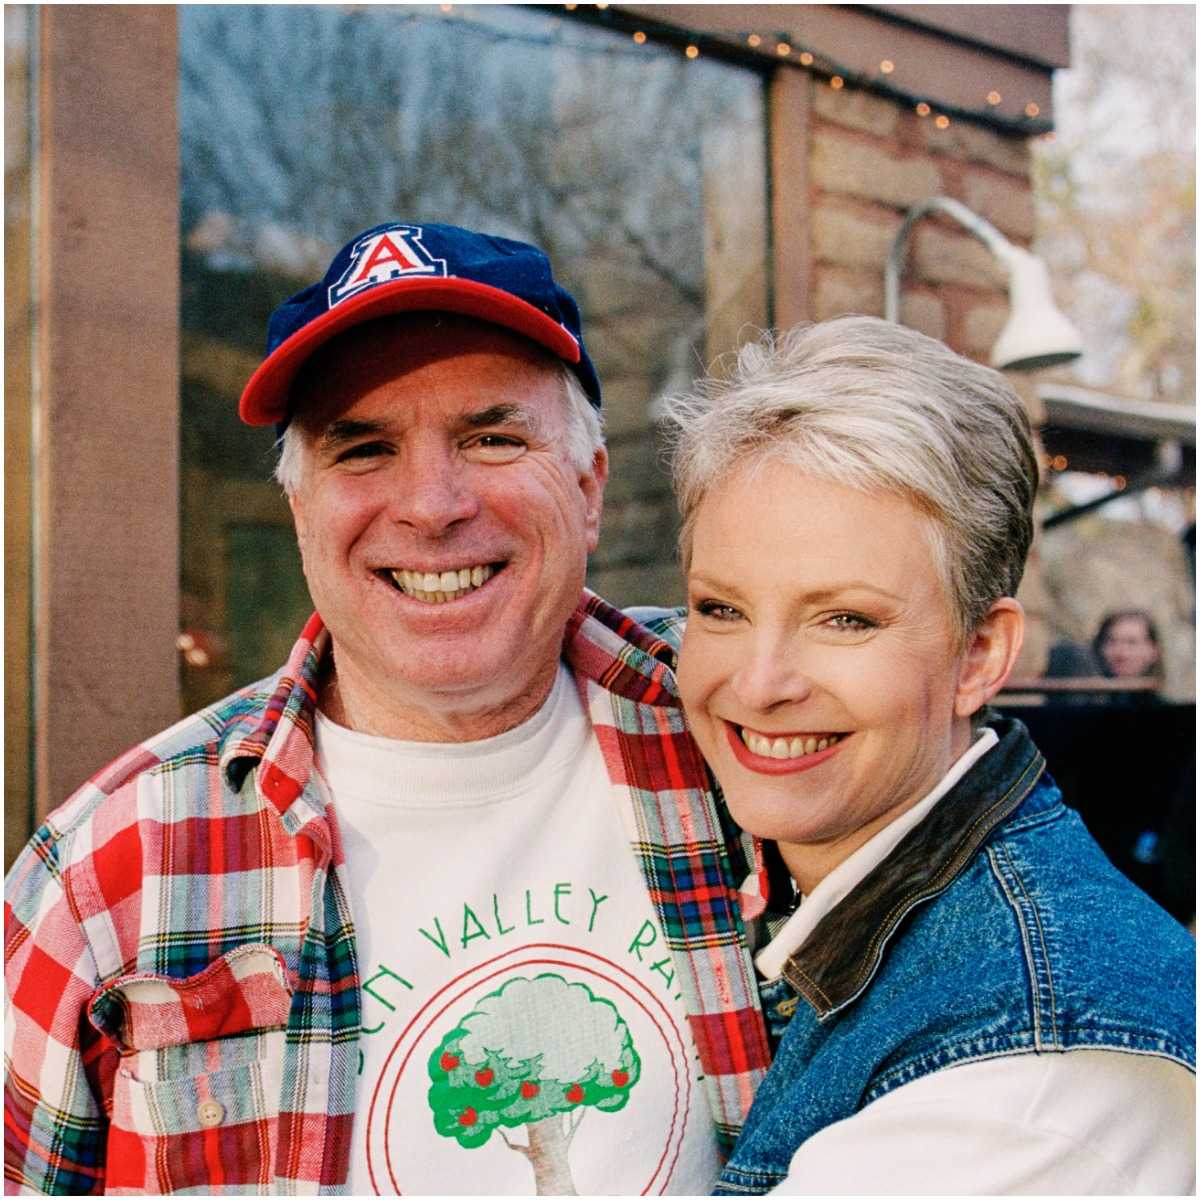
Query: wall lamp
{"points": [[1036, 334]]}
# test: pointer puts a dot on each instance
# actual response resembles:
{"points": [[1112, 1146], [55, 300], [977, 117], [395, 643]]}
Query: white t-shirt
{"points": [[1087, 1122], [522, 1025]]}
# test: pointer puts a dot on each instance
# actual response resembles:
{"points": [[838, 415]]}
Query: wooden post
{"points": [[106, 409]]}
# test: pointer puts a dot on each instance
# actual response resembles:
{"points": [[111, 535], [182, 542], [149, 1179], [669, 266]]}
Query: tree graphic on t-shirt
{"points": [[539, 1052]]}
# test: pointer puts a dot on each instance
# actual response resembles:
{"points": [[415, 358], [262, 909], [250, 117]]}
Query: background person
{"points": [[1127, 647], [857, 508], [446, 903]]}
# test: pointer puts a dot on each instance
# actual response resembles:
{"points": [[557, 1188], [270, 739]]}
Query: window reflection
{"points": [[640, 172]]}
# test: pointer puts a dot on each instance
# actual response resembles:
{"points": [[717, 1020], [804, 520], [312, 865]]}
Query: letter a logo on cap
{"points": [[382, 256]]}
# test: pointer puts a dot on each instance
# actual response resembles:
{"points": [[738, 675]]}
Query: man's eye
{"points": [[495, 447], [363, 450], [716, 610]]}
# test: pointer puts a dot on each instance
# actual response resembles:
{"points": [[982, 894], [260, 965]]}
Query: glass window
{"points": [[641, 172]]}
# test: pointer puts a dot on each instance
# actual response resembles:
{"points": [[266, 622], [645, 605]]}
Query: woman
{"points": [[1126, 646], [857, 507]]}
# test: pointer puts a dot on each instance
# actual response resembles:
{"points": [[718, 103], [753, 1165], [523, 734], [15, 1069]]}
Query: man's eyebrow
{"points": [[338, 433], [501, 414]]}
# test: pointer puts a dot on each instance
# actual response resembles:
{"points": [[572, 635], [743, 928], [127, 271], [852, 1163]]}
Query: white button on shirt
{"points": [[1085, 1122], [210, 1113]]}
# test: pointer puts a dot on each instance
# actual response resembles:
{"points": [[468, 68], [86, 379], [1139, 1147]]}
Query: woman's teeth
{"points": [[795, 747], [437, 588]]}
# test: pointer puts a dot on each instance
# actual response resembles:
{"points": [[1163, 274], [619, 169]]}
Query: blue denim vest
{"points": [[996, 927]]}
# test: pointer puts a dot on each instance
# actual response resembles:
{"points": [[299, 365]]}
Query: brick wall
{"points": [[871, 161]]}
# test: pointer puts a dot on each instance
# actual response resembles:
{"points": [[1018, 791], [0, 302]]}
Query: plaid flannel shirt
{"points": [[182, 999]]}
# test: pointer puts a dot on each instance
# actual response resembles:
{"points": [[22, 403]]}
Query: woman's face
{"points": [[1128, 649], [819, 669]]}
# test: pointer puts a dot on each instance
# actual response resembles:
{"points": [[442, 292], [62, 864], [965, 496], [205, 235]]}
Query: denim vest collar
{"points": [[840, 958]]}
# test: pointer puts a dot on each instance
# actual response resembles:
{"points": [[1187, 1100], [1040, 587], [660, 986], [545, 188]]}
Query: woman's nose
{"points": [[770, 676]]}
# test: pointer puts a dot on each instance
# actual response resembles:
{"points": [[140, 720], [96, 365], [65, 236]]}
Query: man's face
{"points": [[444, 531]]}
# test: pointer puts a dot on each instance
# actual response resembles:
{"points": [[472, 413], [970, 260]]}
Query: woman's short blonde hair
{"points": [[883, 409]]}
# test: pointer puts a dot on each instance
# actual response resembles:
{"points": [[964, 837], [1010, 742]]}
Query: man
{"points": [[374, 925]]}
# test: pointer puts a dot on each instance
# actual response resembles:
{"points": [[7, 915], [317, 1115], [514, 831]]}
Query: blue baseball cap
{"points": [[398, 267]]}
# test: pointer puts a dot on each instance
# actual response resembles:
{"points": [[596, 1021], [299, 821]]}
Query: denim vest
{"points": [[995, 927]]}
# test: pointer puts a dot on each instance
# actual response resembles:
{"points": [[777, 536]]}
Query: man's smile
{"points": [[440, 587]]}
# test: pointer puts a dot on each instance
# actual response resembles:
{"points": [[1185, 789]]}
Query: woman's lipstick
{"points": [[765, 765]]}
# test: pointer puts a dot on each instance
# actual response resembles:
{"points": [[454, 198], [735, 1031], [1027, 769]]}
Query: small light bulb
{"points": [[923, 109], [942, 121], [692, 51], [782, 49], [639, 37], [806, 59], [1119, 482], [1031, 109], [994, 97], [836, 82], [887, 66], [754, 40]]}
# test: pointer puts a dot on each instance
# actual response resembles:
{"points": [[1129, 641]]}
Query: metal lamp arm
{"points": [[987, 233]]}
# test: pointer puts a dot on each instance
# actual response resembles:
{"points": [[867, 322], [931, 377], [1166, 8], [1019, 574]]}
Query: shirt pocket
{"points": [[196, 1095]]}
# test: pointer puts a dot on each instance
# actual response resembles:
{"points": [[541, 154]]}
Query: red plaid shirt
{"points": [[182, 1000]]}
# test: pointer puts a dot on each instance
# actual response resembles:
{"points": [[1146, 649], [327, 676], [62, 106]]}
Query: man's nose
{"points": [[770, 676], [433, 493]]}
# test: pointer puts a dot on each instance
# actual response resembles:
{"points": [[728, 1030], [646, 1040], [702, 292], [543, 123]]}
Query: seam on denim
{"points": [[1030, 966], [885, 1084], [1004, 848], [1165, 1047], [888, 1083], [942, 880], [1058, 812], [750, 1179]]}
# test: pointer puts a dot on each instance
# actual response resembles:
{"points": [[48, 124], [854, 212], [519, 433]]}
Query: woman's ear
{"points": [[988, 660]]}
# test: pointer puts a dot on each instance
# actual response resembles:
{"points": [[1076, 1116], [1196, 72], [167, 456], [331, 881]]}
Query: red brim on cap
{"points": [[265, 398]]}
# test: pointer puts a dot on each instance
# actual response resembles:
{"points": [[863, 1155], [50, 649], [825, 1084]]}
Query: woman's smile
{"points": [[781, 754]]}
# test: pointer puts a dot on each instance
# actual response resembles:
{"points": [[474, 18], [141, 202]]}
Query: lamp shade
{"points": [[1036, 334]]}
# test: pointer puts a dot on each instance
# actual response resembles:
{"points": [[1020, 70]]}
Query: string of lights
{"points": [[765, 51], [760, 52]]}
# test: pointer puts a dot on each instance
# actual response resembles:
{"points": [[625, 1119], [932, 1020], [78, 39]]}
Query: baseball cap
{"points": [[400, 267]]}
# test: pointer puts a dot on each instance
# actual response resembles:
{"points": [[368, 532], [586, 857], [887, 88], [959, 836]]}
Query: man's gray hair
{"points": [[584, 435], [883, 409]]}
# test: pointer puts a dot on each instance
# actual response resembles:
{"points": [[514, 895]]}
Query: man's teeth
{"points": [[434, 588], [795, 747]]}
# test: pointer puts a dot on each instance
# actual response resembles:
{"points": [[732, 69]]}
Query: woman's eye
{"points": [[716, 610], [851, 622]]}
